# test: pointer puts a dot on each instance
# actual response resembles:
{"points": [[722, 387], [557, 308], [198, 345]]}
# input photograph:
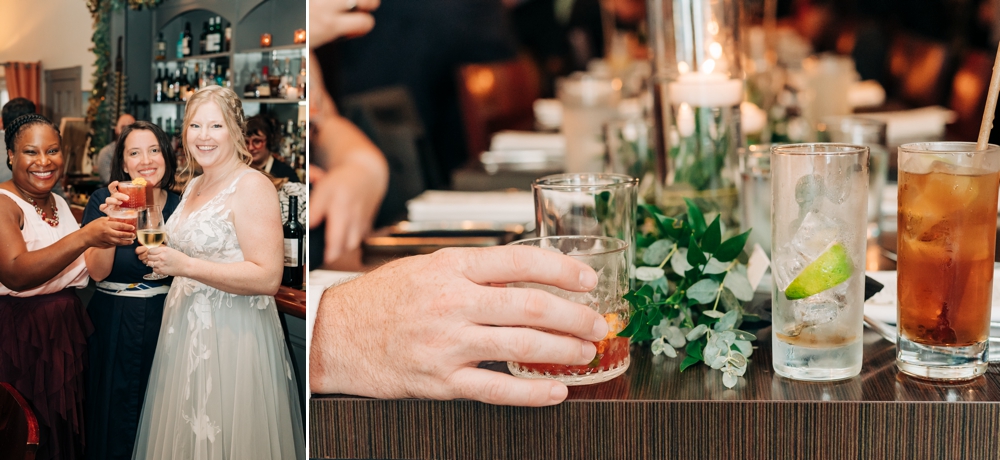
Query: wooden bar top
{"points": [[654, 411], [291, 301]]}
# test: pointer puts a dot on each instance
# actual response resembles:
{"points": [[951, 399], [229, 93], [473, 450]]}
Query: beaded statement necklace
{"points": [[52, 221]]}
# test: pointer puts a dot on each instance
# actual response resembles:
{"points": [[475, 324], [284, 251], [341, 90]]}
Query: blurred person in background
{"points": [[264, 143], [108, 152]]}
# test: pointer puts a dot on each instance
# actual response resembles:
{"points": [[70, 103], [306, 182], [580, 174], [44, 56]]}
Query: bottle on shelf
{"points": [[202, 42], [263, 87], [228, 79], [180, 45], [216, 35], [161, 48], [184, 87], [199, 82], [229, 36], [169, 128], [169, 84], [274, 80], [158, 94], [250, 89], [283, 81], [219, 78], [186, 47], [294, 247], [302, 78]]}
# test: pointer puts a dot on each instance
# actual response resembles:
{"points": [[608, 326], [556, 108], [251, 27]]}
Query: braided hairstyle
{"points": [[13, 132], [232, 113]]}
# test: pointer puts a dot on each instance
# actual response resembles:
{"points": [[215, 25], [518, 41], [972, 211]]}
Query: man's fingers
{"points": [[507, 264], [525, 345], [536, 308], [335, 238], [354, 24], [497, 388]]}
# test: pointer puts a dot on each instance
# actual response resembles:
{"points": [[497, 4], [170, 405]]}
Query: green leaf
{"points": [[694, 348], [728, 321], [713, 313], [739, 285], [697, 332], [744, 335], [602, 207], [653, 317], [688, 362], [731, 248], [648, 273], [695, 256], [695, 218], [657, 251], [703, 291], [713, 236], [714, 267], [643, 240], [679, 262], [633, 325], [729, 301]]}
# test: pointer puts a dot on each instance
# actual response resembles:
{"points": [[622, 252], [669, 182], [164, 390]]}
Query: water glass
{"points": [[588, 101], [607, 257], [587, 204], [755, 194], [819, 200], [870, 133]]}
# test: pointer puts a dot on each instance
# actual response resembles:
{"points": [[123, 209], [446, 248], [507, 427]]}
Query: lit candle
{"points": [[300, 36], [265, 40], [706, 89]]}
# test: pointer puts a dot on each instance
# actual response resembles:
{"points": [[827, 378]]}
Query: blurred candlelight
{"points": [[265, 40], [300, 36]]}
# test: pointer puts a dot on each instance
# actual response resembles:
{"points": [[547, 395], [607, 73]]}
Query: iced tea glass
{"points": [[818, 219], [136, 195], [947, 236], [607, 257]]}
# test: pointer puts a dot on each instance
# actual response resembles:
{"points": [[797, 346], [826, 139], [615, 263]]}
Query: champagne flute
{"points": [[150, 233]]}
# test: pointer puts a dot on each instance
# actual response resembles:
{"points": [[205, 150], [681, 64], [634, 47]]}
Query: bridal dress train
{"points": [[222, 385]]}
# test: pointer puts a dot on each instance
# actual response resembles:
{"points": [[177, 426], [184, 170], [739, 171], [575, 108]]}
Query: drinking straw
{"points": [[991, 105]]}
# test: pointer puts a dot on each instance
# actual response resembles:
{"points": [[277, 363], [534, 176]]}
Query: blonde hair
{"points": [[232, 113]]}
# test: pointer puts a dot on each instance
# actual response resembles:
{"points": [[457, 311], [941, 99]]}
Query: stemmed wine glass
{"points": [[150, 233]]}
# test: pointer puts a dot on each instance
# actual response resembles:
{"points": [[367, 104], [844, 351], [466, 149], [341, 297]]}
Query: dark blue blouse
{"points": [[127, 268]]}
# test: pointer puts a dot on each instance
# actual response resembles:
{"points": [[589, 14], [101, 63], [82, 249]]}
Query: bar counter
{"points": [[654, 411]]}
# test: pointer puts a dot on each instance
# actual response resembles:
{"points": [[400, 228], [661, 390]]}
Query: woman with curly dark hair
{"points": [[264, 142]]}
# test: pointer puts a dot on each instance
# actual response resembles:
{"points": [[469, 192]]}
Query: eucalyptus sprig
{"points": [[690, 291]]}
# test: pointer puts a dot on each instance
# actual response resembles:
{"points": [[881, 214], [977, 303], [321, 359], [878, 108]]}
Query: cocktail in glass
{"points": [[947, 237], [136, 195], [607, 257], [819, 208], [124, 215]]}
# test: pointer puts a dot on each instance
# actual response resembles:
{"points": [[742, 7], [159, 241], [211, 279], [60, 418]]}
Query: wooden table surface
{"points": [[654, 411], [291, 301]]}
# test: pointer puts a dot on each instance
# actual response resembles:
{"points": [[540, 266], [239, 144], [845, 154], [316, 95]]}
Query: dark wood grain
{"points": [[654, 411], [291, 301]]}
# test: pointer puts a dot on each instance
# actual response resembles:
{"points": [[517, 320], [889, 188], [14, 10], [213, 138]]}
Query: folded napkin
{"points": [[882, 306], [922, 124], [868, 93], [527, 140], [447, 206]]}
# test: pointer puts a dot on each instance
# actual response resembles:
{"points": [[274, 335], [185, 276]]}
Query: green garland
{"points": [[98, 113]]}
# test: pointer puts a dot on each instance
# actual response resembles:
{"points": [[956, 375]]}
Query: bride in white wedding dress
{"points": [[222, 385]]}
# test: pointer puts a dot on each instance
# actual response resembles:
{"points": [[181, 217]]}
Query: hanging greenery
{"points": [[98, 112]]}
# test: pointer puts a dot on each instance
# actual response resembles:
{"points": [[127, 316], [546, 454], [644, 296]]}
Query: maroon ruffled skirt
{"points": [[43, 353]]}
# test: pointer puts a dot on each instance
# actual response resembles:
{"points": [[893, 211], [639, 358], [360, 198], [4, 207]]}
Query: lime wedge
{"points": [[828, 270]]}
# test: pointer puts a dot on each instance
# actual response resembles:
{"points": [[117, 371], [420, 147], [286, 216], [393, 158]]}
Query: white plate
{"points": [[882, 306]]}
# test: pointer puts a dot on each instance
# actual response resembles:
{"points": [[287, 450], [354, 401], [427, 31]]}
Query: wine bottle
{"points": [[263, 88], [302, 78], [158, 84], [202, 39], [294, 247], [184, 86], [161, 48], [186, 45], [229, 35], [217, 35]]}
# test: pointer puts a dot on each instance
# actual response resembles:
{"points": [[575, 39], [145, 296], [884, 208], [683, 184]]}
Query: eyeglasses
{"points": [[256, 142]]}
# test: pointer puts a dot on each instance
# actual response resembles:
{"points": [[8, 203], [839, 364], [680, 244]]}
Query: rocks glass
{"points": [[947, 237], [820, 198], [607, 257]]}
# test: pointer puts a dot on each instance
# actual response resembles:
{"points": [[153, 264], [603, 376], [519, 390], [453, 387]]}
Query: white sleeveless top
{"points": [[38, 234]]}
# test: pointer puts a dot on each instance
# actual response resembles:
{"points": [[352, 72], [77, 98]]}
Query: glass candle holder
{"points": [[697, 90], [265, 40], [870, 133], [300, 36], [607, 257]]}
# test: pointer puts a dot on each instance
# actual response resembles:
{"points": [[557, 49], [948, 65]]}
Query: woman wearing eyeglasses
{"points": [[264, 141]]}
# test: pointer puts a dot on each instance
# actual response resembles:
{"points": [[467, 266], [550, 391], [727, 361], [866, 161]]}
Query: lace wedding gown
{"points": [[222, 385]]}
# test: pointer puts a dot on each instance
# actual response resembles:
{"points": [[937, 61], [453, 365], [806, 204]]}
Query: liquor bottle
{"points": [[294, 247], [302, 78], [275, 77], [184, 85], [219, 78], [250, 89], [199, 81], [161, 48], [202, 42], [171, 87], [228, 79], [158, 85], [186, 48], [217, 35], [283, 82], [169, 128], [229, 36], [263, 88], [180, 45]]}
